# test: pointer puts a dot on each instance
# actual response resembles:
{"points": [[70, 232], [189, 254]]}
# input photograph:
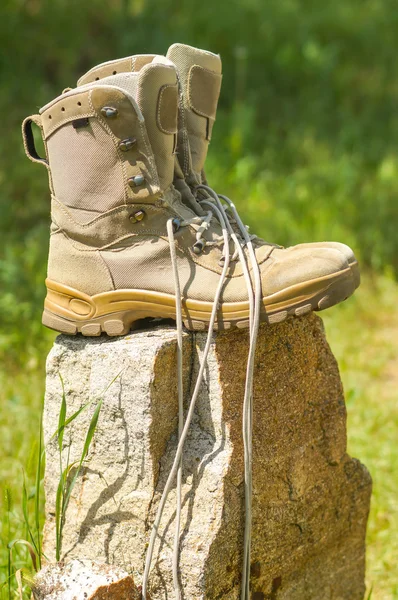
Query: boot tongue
{"points": [[200, 76]]}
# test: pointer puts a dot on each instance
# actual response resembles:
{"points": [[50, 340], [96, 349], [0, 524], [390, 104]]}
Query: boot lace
{"points": [[240, 238]]}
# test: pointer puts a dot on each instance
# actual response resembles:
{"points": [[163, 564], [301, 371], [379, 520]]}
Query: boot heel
{"points": [[69, 311], [57, 323], [68, 302]]}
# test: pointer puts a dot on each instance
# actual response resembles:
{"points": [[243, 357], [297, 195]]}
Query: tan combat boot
{"points": [[120, 232], [200, 74]]}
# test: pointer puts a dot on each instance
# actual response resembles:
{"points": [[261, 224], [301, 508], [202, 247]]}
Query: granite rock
{"points": [[310, 499]]}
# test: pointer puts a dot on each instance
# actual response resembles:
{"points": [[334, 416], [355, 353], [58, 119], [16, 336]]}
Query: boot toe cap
{"points": [[297, 265], [343, 248]]}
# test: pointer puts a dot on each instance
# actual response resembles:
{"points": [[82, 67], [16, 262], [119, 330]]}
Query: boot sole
{"points": [[67, 310]]}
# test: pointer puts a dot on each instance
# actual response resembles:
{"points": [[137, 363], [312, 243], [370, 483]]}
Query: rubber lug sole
{"points": [[116, 313]]}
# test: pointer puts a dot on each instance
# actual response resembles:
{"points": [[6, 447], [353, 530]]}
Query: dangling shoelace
{"points": [[216, 208]]}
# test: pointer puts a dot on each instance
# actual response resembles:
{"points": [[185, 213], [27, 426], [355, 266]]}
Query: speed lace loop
{"points": [[239, 240]]}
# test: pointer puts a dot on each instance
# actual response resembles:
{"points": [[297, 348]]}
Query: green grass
{"points": [[21, 396], [363, 335]]}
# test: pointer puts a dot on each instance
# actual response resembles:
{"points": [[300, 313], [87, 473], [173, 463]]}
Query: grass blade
{"points": [[9, 567], [28, 577], [86, 447], [62, 416], [81, 409], [111, 383], [61, 484], [60, 508], [91, 431], [89, 438], [370, 593], [64, 490], [25, 511], [32, 552], [69, 420], [37, 494], [18, 577]]}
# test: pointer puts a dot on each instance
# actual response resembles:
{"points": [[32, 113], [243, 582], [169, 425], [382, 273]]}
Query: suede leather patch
{"points": [[126, 124], [141, 60], [124, 65], [167, 110], [76, 106], [203, 91]]}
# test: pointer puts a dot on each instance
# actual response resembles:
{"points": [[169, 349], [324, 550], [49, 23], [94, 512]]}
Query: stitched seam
{"points": [[66, 120], [111, 212], [150, 156], [106, 267], [97, 68], [78, 245], [123, 159], [50, 177], [64, 209], [115, 143], [158, 119], [185, 137], [190, 101], [94, 250], [161, 235]]}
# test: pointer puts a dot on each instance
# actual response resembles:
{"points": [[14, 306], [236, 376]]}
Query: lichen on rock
{"points": [[84, 579]]}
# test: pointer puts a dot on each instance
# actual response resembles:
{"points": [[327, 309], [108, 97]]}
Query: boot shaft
{"points": [[110, 143], [199, 74]]}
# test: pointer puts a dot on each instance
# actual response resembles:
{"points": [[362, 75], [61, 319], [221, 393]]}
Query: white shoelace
{"points": [[183, 428]]}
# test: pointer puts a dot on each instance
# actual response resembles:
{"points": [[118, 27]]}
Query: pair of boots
{"points": [[130, 209]]}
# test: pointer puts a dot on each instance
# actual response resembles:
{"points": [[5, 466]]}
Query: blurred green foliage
{"points": [[305, 143], [306, 136]]}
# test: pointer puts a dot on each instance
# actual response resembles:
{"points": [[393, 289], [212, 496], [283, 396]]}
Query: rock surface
{"points": [[310, 499], [84, 579]]}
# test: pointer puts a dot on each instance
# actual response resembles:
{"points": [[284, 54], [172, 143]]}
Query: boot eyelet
{"points": [[136, 181], [127, 144], [176, 224], [198, 246], [138, 216], [109, 112]]}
